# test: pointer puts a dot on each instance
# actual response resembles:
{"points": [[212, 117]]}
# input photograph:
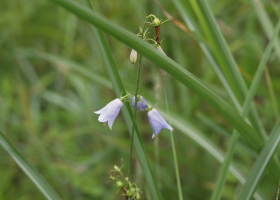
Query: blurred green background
{"points": [[52, 78]]}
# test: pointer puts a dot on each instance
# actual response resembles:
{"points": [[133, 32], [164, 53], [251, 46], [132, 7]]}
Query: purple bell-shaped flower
{"points": [[157, 122], [110, 112], [140, 104]]}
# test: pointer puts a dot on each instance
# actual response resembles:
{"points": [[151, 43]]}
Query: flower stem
{"points": [[174, 153], [134, 117], [135, 106]]}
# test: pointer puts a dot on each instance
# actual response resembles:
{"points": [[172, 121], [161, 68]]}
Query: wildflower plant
{"points": [[112, 109]]}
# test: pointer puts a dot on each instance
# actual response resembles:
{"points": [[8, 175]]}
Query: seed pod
{"points": [[119, 184], [117, 168], [132, 189], [129, 193]]}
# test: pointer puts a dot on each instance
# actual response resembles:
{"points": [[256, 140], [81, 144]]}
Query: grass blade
{"points": [[265, 22], [258, 75], [222, 53], [233, 141], [170, 67], [187, 129], [225, 61], [261, 164], [223, 174], [34, 176]]}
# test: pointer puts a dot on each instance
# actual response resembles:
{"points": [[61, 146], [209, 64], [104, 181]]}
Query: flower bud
{"points": [[132, 189], [119, 184], [156, 22], [117, 168], [112, 178], [133, 56], [129, 193], [137, 196]]}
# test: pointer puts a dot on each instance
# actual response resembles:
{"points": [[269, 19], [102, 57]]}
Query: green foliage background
{"points": [[52, 78]]}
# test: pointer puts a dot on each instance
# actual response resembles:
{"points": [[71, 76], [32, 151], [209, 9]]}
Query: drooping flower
{"points": [[110, 112], [157, 122], [140, 104], [133, 56]]}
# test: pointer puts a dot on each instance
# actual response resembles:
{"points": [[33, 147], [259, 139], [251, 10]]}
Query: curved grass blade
{"points": [[265, 22], [187, 128], [34, 176], [225, 59], [170, 67], [127, 111], [193, 27], [261, 164], [235, 88], [233, 141]]}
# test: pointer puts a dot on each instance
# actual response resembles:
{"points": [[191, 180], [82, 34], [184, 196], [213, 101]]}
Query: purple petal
{"points": [[157, 122], [110, 112], [114, 114], [140, 105]]}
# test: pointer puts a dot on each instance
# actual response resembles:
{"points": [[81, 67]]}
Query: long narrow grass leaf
{"points": [[228, 81], [245, 109], [261, 164], [259, 73], [187, 128], [29, 170], [265, 22]]}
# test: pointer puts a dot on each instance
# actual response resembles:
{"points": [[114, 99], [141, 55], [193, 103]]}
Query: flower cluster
{"points": [[109, 113], [130, 190], [112, 109]]}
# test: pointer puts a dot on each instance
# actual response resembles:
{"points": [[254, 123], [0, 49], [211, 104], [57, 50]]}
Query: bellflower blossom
{"points": [[157, 122], [140, 105], [110, 112]]}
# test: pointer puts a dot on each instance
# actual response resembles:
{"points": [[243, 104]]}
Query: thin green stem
{"points": [[134, 118], [174, 153], [271, 93], [135, 106], [157, 166]]}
